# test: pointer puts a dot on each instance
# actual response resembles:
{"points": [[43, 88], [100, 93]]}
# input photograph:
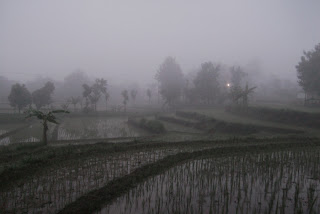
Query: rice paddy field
{"points": [[79, 128], [89, 127], [198, 165], [272, 182]]}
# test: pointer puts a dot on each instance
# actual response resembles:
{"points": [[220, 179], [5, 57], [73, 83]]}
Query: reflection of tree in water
{"points": [[30, 134], [88, 128], [104, 128]]}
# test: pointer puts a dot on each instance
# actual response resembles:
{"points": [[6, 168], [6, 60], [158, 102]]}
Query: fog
{"points": [[212, 105], [126, 41]]}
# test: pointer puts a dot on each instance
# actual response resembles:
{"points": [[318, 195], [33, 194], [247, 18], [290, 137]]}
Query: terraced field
{"points": [[201, 163]]}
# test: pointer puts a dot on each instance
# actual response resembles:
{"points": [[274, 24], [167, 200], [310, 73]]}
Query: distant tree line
{"points": [[308, 72], [205, 88], [20, 97]]}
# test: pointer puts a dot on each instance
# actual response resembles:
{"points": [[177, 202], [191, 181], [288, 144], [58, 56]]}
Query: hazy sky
{"points": [[127, 40]]}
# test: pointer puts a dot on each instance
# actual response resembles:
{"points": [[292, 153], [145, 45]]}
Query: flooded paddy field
{"points": [[24, 132], [71, 129], [86, 128], [50, 189], [272, 182]]}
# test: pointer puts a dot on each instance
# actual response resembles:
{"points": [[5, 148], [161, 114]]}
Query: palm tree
{"points": [[45, 118], [74, 101]]}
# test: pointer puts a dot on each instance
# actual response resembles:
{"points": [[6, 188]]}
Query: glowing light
{"points": [[228, 84]]}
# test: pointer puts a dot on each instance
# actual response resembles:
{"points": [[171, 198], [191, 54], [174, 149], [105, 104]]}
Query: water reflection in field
{"points": [[88, 128], [279, 182]]}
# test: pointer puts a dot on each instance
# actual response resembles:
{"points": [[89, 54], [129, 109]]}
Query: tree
{"points": [[45, 118], [149, 94], [236, 76], [238, 93], [19, 96], [72, 84], [246, 93], [106, 97], [206, 82], [5, 87], [191, 95], [42, 96], [170, 78], [65, 106], [86, 92], [133, 94], [125, 99], [102, 87], [74, 101], [308, 71], [93, 93]]}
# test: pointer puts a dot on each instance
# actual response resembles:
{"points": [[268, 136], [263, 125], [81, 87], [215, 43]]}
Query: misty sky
{"points": [[127, 40]]}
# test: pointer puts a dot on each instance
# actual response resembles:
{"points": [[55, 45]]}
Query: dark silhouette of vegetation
{"points": [[237, 75], [72, 84], [65, 105], [308, 71], [206, 82], [170, 78], [45, 119], [74, 101], [153, 126], [106, 97], [93, 93], [133, 94], [19, 97], [125, 96], [237, 93], [149, 94], [42, 96]]}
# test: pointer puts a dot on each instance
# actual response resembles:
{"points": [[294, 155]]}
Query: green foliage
{"points": [[19, 96], [308, 70]]}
